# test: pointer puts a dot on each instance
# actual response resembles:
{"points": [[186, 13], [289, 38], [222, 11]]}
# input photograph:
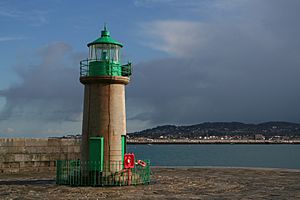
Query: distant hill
{"points": [[221, 129]]}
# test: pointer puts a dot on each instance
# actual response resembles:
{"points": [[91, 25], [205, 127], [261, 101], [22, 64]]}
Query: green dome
{"points": [[105, 39]]}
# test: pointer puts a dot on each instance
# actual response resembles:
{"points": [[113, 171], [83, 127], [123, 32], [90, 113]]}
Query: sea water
{"points": [[220, 155]]}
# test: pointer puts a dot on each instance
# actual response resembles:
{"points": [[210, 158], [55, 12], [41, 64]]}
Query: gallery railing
{"points": [[94, 67]]}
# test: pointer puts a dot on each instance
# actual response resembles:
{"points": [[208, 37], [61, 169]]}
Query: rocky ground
{"points": [[167, 183]]}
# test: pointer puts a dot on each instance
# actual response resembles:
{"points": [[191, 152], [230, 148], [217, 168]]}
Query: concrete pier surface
{"points": [[168, 183]]}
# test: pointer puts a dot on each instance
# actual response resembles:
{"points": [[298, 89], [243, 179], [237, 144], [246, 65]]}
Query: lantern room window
{"points": [[105, 52]]}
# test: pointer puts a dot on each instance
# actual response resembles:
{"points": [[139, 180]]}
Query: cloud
{"points": [[8, 130], [7, 39], [234, 67], [11, 13], [34, 17], [48, 90], [48, 132], [190, 4], [145, 3], [174, 37]]}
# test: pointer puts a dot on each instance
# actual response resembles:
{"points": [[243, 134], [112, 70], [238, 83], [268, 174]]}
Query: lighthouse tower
{"points": [[104, 117], [104, 161]]}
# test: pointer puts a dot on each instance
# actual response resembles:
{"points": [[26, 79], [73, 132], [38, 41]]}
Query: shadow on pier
{"points": [[28, 182]]}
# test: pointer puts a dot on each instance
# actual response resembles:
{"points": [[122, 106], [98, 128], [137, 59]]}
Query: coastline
{"points": [[177, 141]]}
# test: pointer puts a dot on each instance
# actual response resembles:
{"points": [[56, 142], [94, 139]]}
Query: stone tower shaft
{"points": [[104, 114]]}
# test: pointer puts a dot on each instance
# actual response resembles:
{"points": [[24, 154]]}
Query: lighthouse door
{"points": [[123, 142], [96, 153]]}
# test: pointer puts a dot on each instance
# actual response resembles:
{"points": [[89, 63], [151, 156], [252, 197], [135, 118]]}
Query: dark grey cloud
{"points": [[241, 68], [48, 90]]}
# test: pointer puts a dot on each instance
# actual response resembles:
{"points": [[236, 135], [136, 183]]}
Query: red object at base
{"points": [[129, 160], [142, 163]]}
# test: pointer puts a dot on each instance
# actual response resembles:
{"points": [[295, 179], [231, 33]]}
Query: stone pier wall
{"points": [[19, 155]]}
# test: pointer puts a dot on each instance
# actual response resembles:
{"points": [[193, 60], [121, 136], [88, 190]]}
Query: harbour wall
{"points": [[18, 155]]}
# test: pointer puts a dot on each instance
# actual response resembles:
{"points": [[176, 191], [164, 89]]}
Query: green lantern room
{"points": [[104, 58]]}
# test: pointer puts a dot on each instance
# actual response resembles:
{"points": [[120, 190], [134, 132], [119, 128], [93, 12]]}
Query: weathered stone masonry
{"points": [[36, 154]]}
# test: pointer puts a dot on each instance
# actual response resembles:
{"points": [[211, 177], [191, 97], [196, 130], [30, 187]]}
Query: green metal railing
{"points": [[89, 173], [94, 67]]}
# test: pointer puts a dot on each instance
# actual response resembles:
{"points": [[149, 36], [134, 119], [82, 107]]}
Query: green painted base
{"points": [[77, 173]]}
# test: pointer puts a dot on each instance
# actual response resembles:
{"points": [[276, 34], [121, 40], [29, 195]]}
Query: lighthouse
{"points": [[104, 160], [104, 117]]}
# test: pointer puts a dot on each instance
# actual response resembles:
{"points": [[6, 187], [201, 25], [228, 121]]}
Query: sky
{"points": [[193, 61]]}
